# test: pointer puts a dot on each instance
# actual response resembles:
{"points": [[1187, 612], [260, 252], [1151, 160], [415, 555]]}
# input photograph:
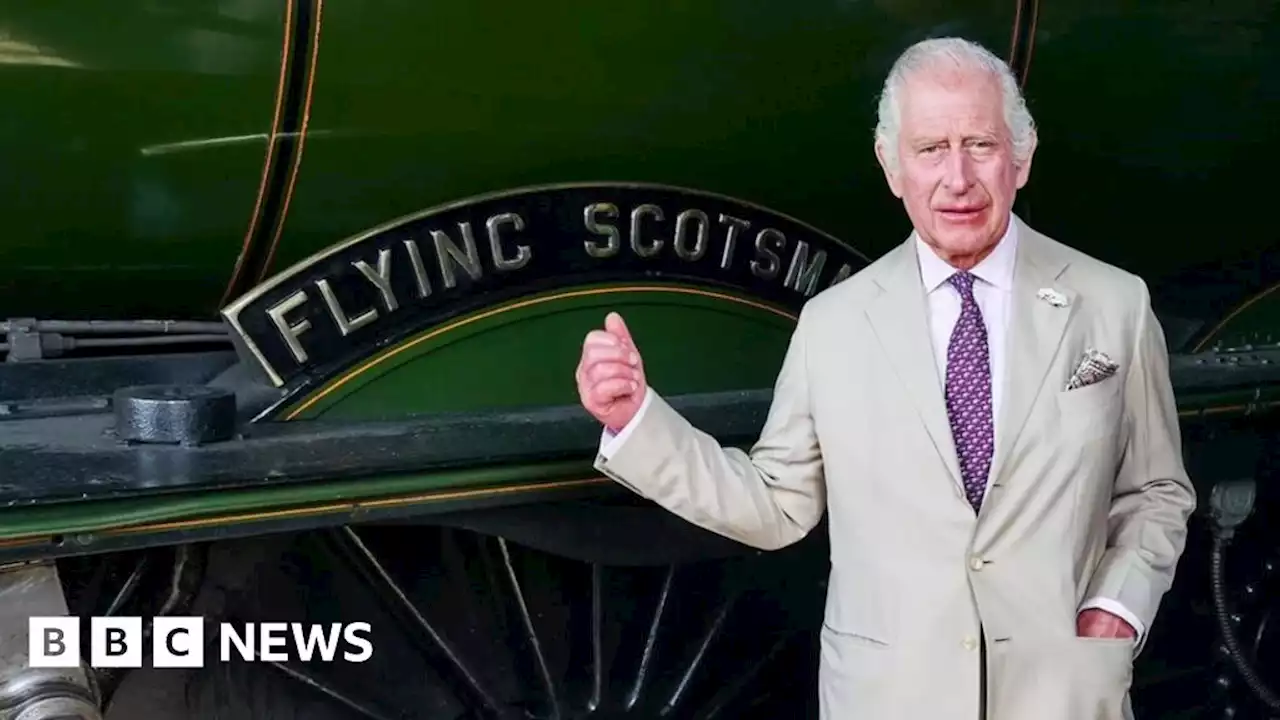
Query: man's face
{"points": [[956, 173]]}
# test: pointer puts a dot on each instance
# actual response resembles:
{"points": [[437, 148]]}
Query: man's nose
{"points": [[959, 171]]}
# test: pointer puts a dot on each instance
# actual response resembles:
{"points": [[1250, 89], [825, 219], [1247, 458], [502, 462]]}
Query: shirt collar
{"points": [[995, 269]]}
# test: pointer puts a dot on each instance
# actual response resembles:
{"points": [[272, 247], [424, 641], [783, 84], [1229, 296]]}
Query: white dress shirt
{"points": [[992, 291]]}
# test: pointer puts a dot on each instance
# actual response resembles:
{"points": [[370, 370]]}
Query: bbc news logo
{"points": [[179, 642]]}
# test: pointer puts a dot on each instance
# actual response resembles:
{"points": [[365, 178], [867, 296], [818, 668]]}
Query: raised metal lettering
{"points": [[596, 227], [636, 245], [419, 269], [767, 262], [291, 333], [346, 325], [501, 262], [450, 255], [381, 278], [512, 243], [802, 275], [843, 274], [736, 225], [683, 251]]}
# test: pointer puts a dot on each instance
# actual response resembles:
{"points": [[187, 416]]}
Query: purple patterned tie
{"points": [[969, 392]]}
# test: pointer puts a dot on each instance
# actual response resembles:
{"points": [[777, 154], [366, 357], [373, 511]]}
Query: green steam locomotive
{"points": [[291, 292]]}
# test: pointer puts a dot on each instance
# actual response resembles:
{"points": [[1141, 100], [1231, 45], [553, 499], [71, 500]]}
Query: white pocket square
{"points": [[1094, 367]]}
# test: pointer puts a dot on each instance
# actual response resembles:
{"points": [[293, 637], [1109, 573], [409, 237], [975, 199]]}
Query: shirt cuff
{"points": [[611, 443], [1120, 611]]}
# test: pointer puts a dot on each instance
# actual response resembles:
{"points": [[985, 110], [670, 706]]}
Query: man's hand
{"points": [[1102, 624], [610, 375]]}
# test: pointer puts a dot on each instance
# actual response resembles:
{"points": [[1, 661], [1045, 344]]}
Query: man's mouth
{"points": [[960, 213]]}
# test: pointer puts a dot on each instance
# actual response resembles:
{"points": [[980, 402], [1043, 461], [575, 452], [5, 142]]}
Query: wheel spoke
{"points": [[643, 669], [731, 691], [531, 634], [129, 586], [402, 607], [597, 639], [712, 633], [475, 626], [330, 691]]}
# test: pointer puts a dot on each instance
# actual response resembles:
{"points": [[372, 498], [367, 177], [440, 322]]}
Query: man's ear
{"points": [[890, 175], [1024, 167]]}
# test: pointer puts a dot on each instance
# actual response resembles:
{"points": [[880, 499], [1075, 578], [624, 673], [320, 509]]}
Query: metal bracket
{"points": [[22, 338]]}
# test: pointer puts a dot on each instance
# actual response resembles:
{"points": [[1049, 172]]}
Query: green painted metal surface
{"points": [[770, 102], [133, 140], [524, 354], [200, 141]]}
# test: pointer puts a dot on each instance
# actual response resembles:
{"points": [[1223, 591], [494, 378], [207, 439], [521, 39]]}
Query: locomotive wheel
{"points": [[468, 625], [1257, 620]]}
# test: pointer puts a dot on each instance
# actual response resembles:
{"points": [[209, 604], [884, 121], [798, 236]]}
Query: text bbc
{"points": [[179, 642]]}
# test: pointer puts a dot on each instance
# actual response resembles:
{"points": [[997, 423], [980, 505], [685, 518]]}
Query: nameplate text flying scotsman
{"points": [[377, 287]]}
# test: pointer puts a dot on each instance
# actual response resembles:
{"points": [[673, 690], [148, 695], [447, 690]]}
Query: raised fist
{"points": [[610, 375]]}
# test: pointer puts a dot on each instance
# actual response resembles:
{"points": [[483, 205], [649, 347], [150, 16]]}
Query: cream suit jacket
{"points": [[1088, 496]]}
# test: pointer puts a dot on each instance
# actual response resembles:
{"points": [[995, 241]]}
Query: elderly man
{"points": [[985, 413]]}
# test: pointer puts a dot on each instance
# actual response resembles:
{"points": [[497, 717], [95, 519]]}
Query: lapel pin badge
{"points": [[1053, 297]]}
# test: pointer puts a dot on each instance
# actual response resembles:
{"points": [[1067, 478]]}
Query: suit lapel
{"points": [[1036, 329], [900, 320]]}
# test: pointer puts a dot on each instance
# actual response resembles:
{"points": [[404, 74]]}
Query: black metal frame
{"points": [[58, 443], [77, 458]]}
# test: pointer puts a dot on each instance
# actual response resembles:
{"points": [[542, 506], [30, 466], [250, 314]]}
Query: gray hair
{"points": [[962, 53]]}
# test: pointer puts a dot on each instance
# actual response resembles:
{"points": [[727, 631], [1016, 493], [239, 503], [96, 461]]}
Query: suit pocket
{"points": [[856, 672], [852, 655], [1103, 671], [1092, 411], [853, 665], [853, 637], [1061, 678]]}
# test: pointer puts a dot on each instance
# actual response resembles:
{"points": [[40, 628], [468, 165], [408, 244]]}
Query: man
{"points": [[987, 416]]}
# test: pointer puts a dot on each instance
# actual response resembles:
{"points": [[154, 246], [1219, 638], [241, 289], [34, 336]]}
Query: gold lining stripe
{"points": [[1031, 42], [462, 322], [351, 506], [286, 48], [355, 505], [1232, 315], [302, 141], [1013, 39], [1219, 409]]}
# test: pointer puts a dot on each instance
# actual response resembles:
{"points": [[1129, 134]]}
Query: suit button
{"points": [[970, 644], [976, 562]]}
